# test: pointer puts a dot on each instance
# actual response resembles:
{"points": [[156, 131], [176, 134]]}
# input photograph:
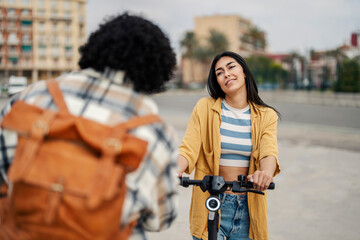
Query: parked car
{"points": [[16, 84]]}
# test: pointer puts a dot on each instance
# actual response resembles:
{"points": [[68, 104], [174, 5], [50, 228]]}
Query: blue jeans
{"points": [[235, 220]]}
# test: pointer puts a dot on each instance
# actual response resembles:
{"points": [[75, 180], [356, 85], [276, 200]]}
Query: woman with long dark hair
{"points": [[231, 133]]}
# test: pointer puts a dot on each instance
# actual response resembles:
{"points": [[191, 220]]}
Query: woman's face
{"points": [[230, 75]]}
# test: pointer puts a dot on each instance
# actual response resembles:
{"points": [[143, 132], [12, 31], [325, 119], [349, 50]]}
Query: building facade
{"points": [[39, 39], [233, 27]]}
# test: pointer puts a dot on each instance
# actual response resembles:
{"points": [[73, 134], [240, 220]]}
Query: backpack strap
{"points": [[138, 121], [110, 174], [56, 94]]}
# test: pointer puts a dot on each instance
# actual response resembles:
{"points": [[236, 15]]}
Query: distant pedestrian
{"points": [[231, 133]]}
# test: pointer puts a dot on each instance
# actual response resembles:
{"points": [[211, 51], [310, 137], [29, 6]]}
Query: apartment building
{"points": [[39, 39], [233, 27]]}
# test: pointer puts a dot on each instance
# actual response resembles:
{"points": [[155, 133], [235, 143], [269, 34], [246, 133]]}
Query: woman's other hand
{"points": [[260, 179]]}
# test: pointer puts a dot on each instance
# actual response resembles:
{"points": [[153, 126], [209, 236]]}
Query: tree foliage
{"points": [[267, 71], [189, 43], [255, 37], [348, 76]]}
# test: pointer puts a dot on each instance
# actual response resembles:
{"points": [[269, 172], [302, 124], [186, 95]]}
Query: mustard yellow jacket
{"points": [[201, 147]]}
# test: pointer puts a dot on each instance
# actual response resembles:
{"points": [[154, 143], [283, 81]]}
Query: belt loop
{"points": [[222, 197]]}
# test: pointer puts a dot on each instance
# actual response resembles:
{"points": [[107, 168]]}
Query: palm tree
{"points": [[255, 37], [189, 44], [217, 42]]}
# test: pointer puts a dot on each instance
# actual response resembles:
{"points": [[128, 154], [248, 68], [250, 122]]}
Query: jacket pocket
{"points": [[206, 163]]}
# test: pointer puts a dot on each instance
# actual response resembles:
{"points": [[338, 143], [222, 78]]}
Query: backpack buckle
{"points": [[42, 125], [115, 143]]}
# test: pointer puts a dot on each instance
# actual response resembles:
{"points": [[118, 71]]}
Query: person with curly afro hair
{"points": [[126, 59], [134, 45]]}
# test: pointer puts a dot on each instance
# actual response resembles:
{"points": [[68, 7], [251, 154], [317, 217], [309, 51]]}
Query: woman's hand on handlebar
{"points": [[260, 179], [182, 165]]}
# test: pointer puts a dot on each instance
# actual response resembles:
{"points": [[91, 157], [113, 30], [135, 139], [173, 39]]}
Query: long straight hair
{"points": [[215, 90]]}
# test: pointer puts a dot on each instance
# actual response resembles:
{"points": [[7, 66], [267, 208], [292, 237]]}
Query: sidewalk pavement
{"points": [[317, 193], [313, 97], [317, 196]]}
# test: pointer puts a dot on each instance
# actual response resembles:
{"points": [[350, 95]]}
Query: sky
{"points": [[290, 25]]}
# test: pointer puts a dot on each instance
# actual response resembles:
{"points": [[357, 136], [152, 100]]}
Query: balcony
{"points": [[13, 60], [12, 28], [55, 54], [25, 29], [13, 54], [42, 53], [68, 54], [12, 17], [26, 42], [13, 42], [27, 54]]}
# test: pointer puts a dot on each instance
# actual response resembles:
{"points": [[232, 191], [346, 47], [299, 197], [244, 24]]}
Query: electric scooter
{"points": [[216, 185]]}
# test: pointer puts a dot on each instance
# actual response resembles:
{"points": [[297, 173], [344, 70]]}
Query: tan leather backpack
{"points": [[68, 174]]}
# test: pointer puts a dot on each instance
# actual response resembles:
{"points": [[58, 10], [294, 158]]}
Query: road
{"points": [[314, 124]]}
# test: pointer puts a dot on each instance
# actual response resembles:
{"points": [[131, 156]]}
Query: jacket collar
{"points": [[108, 74], [217, 105]]}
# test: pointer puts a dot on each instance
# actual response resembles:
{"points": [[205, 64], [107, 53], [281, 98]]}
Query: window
{"points": [[55, 51], [67, 27], [40, 3], [67, 40], [11, 25], [11, 1], [11, 12], [12, 38], [54, 40], [25, 12], [54, 27], [26, 37], [54, 14], [41, 12], [25, 2], [53, 3], [42, 50], [68, 51], [12, 50], [67, 5], [42, 39], [41, 26], [67, 15]]}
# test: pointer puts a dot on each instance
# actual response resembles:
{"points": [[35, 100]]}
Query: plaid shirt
{"points": [[151, 195]]}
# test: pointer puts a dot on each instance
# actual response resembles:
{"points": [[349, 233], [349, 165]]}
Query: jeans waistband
{"points": [[226, 196]]}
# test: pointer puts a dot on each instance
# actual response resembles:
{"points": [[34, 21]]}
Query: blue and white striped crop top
{"points": [[235, 131]]}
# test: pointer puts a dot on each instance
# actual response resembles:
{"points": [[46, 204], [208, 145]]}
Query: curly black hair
{"points": [[135, 45]]}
